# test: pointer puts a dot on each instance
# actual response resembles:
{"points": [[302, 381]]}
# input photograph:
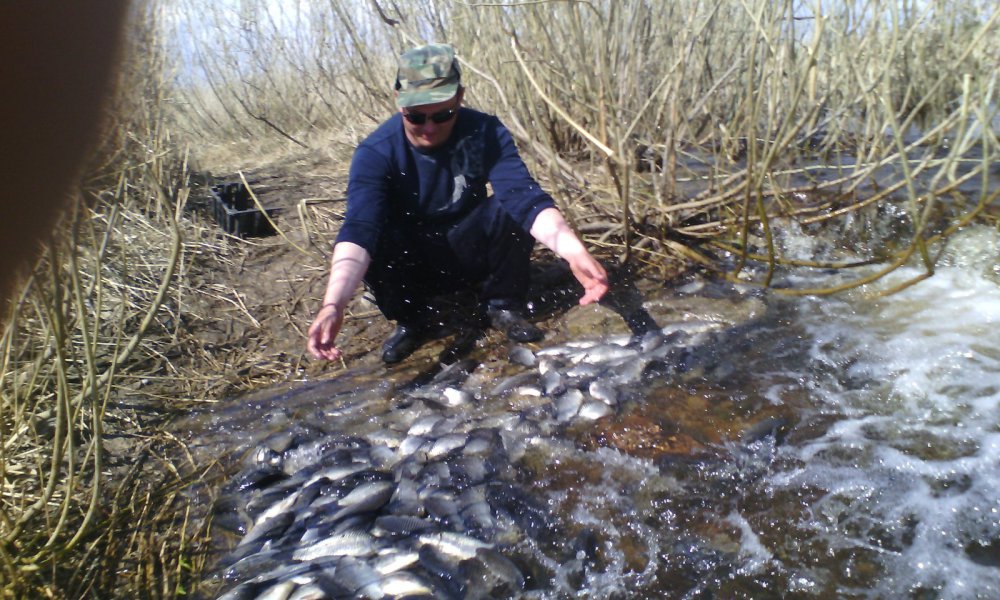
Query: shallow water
{"points": [[836, 447]]}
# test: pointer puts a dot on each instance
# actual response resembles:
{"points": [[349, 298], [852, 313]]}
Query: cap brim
{"points": [[433, 95]]}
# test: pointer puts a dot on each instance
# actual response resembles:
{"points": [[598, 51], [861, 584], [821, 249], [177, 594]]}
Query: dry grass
{"points": [[673, 133], [657, 127]]}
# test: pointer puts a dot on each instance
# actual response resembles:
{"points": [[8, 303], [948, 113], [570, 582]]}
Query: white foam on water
{"points": [[755, 554], [911, 470]]}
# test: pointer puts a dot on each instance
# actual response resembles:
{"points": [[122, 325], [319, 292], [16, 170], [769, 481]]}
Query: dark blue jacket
{"points": [[392, 184]]}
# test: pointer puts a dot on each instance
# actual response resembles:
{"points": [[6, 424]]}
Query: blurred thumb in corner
{"points": [[57, 65]]}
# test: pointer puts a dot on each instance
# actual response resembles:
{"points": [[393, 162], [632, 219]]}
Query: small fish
{"points": [[445, 570], [391, 561], [547, 365], [266, 456], [309, 591], [404, 585], [453, 544], [568, 405], [413, 444], [245, 591], [585, 370], [455, 397], [352, 543], [365, 498], [527, 512], [603, 391], [479, 515], [441, 505], [456, 373], [281, 506], [498, 573], [357, 577], [278, 591], [444, 427], [434, 473], [385, 438], [651, 340], [258, 477], [336, 473], [522, 356], [480, 442], [552, 383], [399, 526], [424, 425], [594, 410], [531, 391], [254, 564], [513, 382], [469, 469], [446, 444]]}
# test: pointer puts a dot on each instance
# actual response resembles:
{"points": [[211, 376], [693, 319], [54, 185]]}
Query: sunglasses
{"points": [[441, 116]]}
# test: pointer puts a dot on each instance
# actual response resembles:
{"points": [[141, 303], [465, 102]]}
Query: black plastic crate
{"points": [[236, 212]]}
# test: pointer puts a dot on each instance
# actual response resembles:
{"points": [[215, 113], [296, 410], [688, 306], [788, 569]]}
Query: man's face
{"points": [[436, 122]]}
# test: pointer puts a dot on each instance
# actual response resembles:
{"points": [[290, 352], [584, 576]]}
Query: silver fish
{"points": [[358, 578], [500, 569], [532, 391], [309, 591], [511, 383], [424, 425], [391, 561], [651, 340], [585, 370], [445, 444], [385, 437], [412, 444], [568, 405], [399, 526], [350, 543], [603, 391], [402, 585], [364, 498], [452, 544], [455, 397], [522, 356], [547, 365], [278, 591], [552, 383], [594, 410], [336, 473]]}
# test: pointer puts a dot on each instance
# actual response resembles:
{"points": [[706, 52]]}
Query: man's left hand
{"points": [[591, 276]]}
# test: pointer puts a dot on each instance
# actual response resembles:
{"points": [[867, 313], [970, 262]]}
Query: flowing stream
{"points": [[749, 446]]}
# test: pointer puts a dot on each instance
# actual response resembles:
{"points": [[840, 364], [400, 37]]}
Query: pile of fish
{"points": [[339, 517], [430, 503]]}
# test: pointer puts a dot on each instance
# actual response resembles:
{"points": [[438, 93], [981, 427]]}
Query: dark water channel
{"points": [[747, 446]]}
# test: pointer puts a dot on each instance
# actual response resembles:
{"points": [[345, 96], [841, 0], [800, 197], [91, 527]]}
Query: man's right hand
{"points": [[323, 332]]}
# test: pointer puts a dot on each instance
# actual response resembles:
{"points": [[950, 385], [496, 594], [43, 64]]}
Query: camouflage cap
{"points": [[426, 75]]}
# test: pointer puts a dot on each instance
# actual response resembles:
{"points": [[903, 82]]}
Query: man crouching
{"points": [[419, 220]]}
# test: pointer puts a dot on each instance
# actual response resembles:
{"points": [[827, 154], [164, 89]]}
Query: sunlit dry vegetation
{"points": [[657, 126], [685, 132]]}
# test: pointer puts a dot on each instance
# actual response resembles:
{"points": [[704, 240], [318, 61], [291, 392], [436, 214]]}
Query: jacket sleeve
{"points": [[513, 185], [367, 199]]}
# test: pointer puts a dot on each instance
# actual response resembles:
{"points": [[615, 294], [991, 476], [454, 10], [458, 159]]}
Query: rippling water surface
{"points": [[836, 447]]}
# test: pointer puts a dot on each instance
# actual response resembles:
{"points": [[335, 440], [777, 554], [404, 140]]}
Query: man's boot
{"points": [[402, 343]]}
